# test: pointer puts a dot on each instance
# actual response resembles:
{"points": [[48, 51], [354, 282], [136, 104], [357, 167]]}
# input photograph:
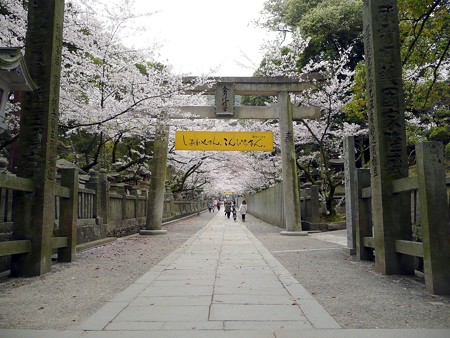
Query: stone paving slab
{"points": [[185, 275], [164, 313], [180, 334], [252, 299], [230, 290], [221, 278], [251, 312], [183, 283], [170, 291], [284, 332], [176, 300], [99, 320], [9, 333], [269, 325]]}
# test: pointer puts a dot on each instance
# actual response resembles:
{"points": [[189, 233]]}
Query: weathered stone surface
{"points": [[351, 193], [291, 195], [434, 216], [387, 134], [34, 217], [155, 209]]}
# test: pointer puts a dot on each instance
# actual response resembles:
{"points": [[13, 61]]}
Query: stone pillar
{"points": [[35, 213], [69, 215], [155, 208], [172, 205], [315, 204], [387, 135], [94, 184], [434, 216], [291, 195], [103, 197], [351, 194], [363, 220]]}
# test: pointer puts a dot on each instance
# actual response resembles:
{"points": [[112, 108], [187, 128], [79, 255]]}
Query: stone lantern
{"points": [[13, 76]]}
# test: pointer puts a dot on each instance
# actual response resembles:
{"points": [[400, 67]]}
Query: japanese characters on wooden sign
{"points": [[224, 141], [224, 99]]}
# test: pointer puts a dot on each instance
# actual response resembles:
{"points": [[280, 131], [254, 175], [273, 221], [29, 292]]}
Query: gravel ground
{"points": [[350, 290], [355, 295], [71, 292]]}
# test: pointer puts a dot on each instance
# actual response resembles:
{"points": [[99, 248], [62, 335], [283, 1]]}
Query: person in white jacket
{"points": [[243, 210]]}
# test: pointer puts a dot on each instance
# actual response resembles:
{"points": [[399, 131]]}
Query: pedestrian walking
{"points": [[211, 205], [234, 213], [228, 208], [243, 210]]}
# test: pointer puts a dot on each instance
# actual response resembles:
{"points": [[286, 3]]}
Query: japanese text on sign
{"points": [[224, 141]]}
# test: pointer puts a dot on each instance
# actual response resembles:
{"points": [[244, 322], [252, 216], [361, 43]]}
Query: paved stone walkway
{"points": [[221, 283]]}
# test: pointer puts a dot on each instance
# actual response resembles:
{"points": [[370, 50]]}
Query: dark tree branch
{"points": [[417, 35], [96, 156]]}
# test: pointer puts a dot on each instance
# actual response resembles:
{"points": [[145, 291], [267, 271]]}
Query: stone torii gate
{"points": [[224, 89]]}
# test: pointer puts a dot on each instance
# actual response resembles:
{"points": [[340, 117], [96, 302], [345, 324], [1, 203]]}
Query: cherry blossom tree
{"points": [[217, 172], [317, 141], [113, 96]]}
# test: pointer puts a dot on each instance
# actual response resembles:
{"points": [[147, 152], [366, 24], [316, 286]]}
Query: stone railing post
{"points": [[135, 193], [315, 204], [122, 191], [304, 202], [103, 212], [434, 216], [94, 184], [172, 205], [69, 215], [5, 194], [351, 193], [363, 219]]}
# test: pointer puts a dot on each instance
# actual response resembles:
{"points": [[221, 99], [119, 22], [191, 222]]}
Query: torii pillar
{"points": [[291, 193], [155, 206]]}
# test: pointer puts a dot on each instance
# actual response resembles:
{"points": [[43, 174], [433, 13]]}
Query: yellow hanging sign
{"points": [[224, 141]]}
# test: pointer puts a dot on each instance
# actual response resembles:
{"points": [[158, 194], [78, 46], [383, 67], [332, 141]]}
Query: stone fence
{"points": [[103, 209], [425, 248], [109, 209], [268, 206]]}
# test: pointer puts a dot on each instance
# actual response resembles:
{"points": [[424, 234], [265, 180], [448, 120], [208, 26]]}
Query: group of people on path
{"points": [[230, 208]]}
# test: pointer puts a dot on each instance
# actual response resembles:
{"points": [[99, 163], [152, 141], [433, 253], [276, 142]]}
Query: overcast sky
{"points": [[204, 36]]}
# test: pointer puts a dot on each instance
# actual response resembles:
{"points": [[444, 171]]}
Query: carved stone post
{"points": [[315, 204], [291, 195], [434, 216], [35, 213], [103, 211], [69, 215], [387, 135], [351, 194], [363, 221], [94, 184]]}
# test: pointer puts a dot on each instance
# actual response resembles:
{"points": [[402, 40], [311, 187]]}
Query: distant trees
{"points": [[111, 95], [332, 26], [317, 142], [326, 36]]}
